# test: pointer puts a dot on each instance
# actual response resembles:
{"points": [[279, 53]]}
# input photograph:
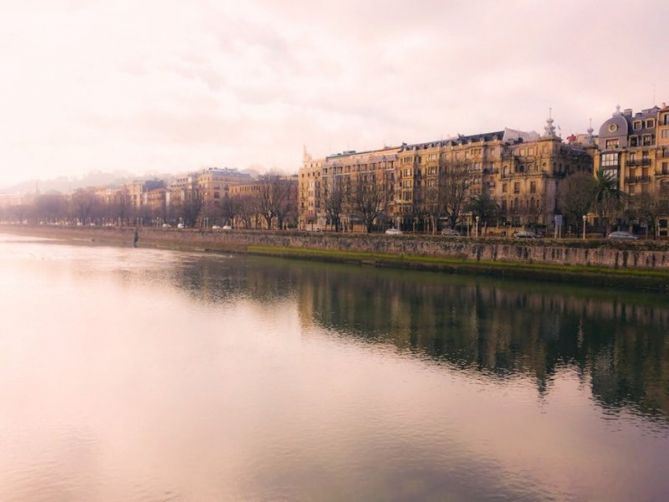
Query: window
{"points": [[516, 187], [647, 139], [650, 123], [665, 167], [612, 143], [665, 133], [637, 125], [664, 189], [533, 187], [665, 119], [609, 159], [504, 187], [634, 141]]}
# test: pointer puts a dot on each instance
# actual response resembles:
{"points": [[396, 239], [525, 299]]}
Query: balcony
{"points": [[629, 180], [637, 162]]}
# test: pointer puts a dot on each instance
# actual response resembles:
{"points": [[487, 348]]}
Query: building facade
{"points": [[633, 150], [429, 185]]}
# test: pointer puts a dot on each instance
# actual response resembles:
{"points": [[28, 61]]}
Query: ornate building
{"points": [[634, 151], [520, 171]]}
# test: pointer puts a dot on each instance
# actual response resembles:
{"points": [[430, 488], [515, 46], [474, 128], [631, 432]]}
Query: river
{"points": [[143, 375]]}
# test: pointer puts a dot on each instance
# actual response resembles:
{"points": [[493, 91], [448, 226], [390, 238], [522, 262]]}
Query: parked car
{"points": [[226, 227], [525, 234], [180, 225], [450, 232], [394, 231], [216, 227], [167, 225], [622, 235]]}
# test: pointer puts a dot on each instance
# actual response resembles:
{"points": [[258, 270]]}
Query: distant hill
{"points": [[65, 184], [93, 179]]}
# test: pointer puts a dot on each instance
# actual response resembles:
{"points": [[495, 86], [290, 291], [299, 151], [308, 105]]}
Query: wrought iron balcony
{"points": [[637, 179], [638, 162]]}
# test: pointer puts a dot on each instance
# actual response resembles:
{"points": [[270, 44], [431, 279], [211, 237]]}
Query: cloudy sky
{"points": [[145, 86]]}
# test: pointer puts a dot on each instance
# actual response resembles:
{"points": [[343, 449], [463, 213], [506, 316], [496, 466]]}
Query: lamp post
{"points": [[585, 219], [477, 227]]}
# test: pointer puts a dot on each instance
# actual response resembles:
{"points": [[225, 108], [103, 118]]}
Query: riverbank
{"points": [[638, 265]]}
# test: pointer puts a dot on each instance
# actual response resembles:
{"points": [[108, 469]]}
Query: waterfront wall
{"points": [[619, 255]]}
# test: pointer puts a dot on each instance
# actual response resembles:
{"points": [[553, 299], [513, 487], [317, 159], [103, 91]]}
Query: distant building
{"points": [[214, 184]]}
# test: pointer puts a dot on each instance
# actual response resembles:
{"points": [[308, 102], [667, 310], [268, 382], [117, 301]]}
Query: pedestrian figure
{"points": [[135, 239]]}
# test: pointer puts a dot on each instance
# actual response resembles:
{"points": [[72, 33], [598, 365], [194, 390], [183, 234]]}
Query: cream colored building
{"points": [[633, 149], [521, 171]]}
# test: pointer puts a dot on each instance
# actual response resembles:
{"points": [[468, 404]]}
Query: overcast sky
{"points": [[145, 85]]}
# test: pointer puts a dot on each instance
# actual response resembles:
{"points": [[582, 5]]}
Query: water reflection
{"points": [[617, 342], [137, 374]]}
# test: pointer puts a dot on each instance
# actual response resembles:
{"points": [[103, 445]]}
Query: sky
{"points": [[147, 86]]}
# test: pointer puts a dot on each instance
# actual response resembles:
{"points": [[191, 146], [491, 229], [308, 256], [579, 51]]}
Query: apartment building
{"points": [[521, 171], [633, 150]]}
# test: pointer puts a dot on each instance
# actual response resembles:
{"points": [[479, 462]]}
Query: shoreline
{"points": [[451, 257]]}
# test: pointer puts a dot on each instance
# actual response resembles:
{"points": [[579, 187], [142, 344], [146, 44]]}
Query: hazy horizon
{"points": [[140, 88]]}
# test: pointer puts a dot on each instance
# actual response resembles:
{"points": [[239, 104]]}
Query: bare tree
{"points": [[247, 209], [432, 204], [576, 197], [369, 199], [276, 199], [455, 182], [83, 205], [191, 208], [50, 207], [644, 209], [230, 208], [335, 199]]}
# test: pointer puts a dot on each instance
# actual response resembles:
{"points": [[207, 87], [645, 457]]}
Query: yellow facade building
{"points": [[522, 172], [634, 151]]}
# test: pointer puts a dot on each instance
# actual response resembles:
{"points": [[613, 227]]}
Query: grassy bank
{"points": [[602, 276], [652, 280]]}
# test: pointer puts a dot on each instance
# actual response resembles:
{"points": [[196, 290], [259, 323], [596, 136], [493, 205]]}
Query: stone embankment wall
{"points": [[621, 255]]}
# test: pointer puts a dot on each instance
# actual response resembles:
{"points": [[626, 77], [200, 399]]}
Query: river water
{"points": [[143, 375]]}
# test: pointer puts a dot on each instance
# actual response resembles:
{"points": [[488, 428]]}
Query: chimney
{"points": [[627, 112]]}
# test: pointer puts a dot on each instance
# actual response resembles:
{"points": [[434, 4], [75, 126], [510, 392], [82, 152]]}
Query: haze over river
{"points": [[143, 375]]}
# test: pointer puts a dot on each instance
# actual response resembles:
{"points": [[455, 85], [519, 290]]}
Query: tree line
{"points": [[270, 202], [582, 195]]}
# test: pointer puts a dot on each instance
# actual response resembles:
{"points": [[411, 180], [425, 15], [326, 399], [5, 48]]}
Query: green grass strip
{"points": [[459, 263]]}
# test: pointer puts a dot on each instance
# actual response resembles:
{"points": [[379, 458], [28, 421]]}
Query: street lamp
{"points": [[585, 219], [477, 227]]}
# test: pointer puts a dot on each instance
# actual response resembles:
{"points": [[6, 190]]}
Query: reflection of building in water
{"points": [[502, 329], [499, 329]]}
